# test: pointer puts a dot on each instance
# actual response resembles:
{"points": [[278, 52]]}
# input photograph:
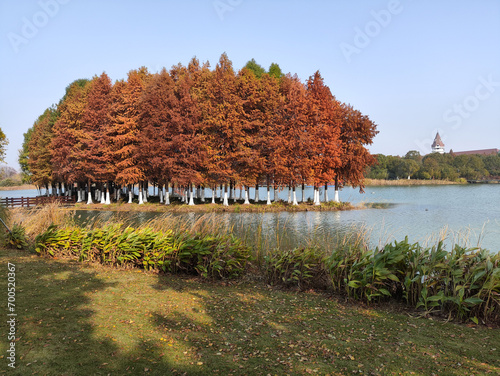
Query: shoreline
{"points": [[409, 182]]}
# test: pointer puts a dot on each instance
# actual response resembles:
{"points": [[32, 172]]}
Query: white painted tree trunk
{"points": [[141, 201], [108, 197], [214, 192], [316, 197], [294, 202], [256, 193], [130, 196], [275, 195], [326, 193], [160, 192], [225, 202], [247, 201], [145, 194], [89, 200], [222, 192], [97, 196], [167, 197], [268, 197], [103, 198], [191, 200], [203, 194], [337, 196], [79, 196], [289, 196], [241, 192]]}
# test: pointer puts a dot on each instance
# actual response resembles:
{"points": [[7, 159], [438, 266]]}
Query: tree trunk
{"points": [[326, 193], [89, 200], [103, 195], [337, 189], [294, 202], [141, 201], [316, 196], [160, 193], [268, 192], [225, 203], [290, 193], [167, 194], [303, 192], [145, 192], [247, 202], [108, 195], [256, 193], [191, 191], [214, 192]]}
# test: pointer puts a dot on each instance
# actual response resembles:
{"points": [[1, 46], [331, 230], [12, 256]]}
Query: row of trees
{"points": [[435, 166], [193, 126]]}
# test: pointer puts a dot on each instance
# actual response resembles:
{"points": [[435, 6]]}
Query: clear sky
{"points": [[415, 67]]}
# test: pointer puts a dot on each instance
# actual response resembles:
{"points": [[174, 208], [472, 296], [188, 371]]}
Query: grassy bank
{"points": [[178, 207], [409, 182], [87, 319]]}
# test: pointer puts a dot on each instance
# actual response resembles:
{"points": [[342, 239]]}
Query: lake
{"points": [[465, 213]]}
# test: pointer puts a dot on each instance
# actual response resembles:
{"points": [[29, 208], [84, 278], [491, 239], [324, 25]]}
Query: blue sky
{"points": [[415, 67]]}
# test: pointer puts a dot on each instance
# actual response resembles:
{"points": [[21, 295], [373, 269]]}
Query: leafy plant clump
{"points": [[210, 256], [463, 283]]}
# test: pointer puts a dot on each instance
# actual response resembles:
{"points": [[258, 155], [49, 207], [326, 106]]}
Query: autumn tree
{"points": [[124, 129], [67, 164], [324, 118], [186, 147], [224, 132], [357, 130], [156, 122], [291, 143], [95, 149]]}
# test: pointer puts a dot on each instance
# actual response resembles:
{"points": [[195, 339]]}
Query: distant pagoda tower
{"points": [[438, 145]]}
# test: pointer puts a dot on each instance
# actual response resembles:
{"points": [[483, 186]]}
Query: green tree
{"points": [[275, 71], [3, 145], [24, 157], [257, 69]]}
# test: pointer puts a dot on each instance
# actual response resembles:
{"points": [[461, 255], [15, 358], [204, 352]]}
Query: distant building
{"points": [[438, 145], [479, 152]]}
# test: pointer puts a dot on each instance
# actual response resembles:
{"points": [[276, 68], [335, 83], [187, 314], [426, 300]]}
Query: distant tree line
{"points": [[435, 166], [193, 127]]}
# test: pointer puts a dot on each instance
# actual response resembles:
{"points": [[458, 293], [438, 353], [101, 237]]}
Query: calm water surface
{"points": [[464, 213]]}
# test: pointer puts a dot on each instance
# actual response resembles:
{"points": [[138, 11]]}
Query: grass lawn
{"points": [[76, 319]]}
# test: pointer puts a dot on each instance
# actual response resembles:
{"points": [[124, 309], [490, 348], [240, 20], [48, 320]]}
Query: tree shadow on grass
{"points": [[56, 331]]}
